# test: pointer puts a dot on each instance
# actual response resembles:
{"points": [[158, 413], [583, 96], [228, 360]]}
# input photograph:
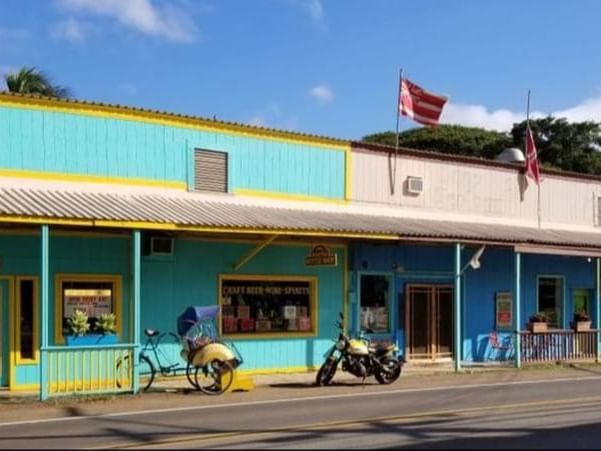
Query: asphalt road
{"points": [[539, 414]]}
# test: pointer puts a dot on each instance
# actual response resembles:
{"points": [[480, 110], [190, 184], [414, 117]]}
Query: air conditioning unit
{"points": [[161, 245], [415, 185]]}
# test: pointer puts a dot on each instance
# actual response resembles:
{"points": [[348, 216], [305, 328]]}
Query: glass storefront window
{"points": [[375, 303], [92, 297], [550, 299], [263, 304]]}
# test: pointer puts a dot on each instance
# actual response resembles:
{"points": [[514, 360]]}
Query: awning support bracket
{"points": [[253, 253]]}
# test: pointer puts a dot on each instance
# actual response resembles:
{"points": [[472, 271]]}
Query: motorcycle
{"points": [[360, 359]]}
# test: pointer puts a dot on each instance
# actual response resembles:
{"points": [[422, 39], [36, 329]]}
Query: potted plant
{"points": [[581, 321], [538, 322], [79, 330], [107, 324]]}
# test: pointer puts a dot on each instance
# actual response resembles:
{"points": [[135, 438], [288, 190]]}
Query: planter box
{"points": [[537, 327], [91, 340], [581, 326]]}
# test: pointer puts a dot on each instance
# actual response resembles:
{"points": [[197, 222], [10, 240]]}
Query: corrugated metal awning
{"points": [[188, 210]]}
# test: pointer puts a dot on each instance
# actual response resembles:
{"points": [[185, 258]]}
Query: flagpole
{"points": [[398, 116], [537, 183]]}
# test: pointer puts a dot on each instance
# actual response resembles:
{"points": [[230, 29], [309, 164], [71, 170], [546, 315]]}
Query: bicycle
{"points": [[155, 349]]}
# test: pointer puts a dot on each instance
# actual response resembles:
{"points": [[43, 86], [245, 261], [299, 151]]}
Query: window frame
{"points": [[19, 359], [389, 300], [561, 324], [115, 279]]}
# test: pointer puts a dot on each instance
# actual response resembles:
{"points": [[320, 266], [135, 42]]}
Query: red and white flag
{"points": [[420, 105], [532, 169]]}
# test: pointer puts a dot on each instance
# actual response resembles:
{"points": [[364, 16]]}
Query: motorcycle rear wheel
{"points": [[326, 373], [394, 371]]}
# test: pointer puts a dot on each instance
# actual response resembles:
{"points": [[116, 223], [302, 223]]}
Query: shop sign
{"points": [[93, 302], [504, 310], [321, 256]]}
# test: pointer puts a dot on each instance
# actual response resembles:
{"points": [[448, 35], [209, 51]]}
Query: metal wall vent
{"points": [[415, 185], [210, 171]]}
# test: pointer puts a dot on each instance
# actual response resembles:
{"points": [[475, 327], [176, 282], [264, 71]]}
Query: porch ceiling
{"points": [[163, 209]]}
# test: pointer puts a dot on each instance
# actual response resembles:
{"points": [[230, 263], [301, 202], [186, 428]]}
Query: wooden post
{"points": [[516, 315], [44, 284], [457, 308], [136, 259]]}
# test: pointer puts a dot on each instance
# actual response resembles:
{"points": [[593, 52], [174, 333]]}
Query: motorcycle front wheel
{"points": [[326, 373], [390, 372]]}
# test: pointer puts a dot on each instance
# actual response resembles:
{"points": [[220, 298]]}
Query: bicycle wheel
{"points": [[125, 371], [191, 375], [215, 377]]}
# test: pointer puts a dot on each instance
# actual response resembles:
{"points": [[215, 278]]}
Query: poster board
{"points": [[504, 310], [93, 302]]}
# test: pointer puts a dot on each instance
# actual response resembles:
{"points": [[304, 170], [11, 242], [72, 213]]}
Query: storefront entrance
{"points": [[429, 321]]}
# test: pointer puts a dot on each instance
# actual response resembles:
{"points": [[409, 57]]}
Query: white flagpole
{"points": [[398, 116]]}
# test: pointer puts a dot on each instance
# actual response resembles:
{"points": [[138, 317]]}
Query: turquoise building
{"points": [[141, 214]]}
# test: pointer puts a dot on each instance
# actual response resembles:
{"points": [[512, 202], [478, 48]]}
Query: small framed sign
{"points": [[504, 310]]}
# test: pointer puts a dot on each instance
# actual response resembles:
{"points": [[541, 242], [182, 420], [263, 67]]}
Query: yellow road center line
{"points": [[582, 401]]}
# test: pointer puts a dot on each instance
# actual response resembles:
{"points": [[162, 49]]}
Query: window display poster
{"points": [[93, 302], [504, 310]]}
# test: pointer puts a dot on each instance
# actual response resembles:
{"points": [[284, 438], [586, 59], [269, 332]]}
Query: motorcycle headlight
{"points": [[340, 345]]}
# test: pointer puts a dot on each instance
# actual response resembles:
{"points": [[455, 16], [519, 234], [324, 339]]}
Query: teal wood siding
{"points": [[68, 254], [93, 146], [191, 279]]}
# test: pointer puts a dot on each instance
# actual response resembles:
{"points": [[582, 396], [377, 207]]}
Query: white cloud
{"points": [[273, 117], [128, 88], [167, 20], [322, 93], [257, 121], [70, 30], [503, 120], [313, 8]]}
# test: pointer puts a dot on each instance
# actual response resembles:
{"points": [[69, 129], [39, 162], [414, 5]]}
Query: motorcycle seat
{"points": [[382, 349]]}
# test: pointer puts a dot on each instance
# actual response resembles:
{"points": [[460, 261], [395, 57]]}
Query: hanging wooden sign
{"points": [[321, 256]]}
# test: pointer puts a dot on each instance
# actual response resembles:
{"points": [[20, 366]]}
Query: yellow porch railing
{"points": [[89, 369]]}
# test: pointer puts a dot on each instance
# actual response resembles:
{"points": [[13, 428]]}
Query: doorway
{"points": [[429, 321]]}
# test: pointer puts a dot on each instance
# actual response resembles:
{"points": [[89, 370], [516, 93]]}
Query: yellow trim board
{"points": [[287, 196], [65, 177], [348, 174], [172, 120], [186, 228], [115, 279]]}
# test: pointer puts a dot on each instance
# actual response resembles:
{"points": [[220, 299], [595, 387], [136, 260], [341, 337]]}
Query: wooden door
{"points": [[429, 321]]}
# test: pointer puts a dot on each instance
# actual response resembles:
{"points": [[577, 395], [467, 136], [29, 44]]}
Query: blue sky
{"points": [[327, 67]]}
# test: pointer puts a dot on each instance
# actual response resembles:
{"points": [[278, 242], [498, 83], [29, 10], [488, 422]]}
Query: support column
{"points": [[516, 313], [136, 259], [44, 292], [457, 309], [598, 303]]}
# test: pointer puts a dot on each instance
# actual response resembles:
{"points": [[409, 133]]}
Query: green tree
{"points": [[454, 139], [560, 144], [571, 146], [29, 80]]}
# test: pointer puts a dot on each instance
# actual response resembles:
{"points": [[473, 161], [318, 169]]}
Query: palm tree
{"points": [[29, 80]]}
